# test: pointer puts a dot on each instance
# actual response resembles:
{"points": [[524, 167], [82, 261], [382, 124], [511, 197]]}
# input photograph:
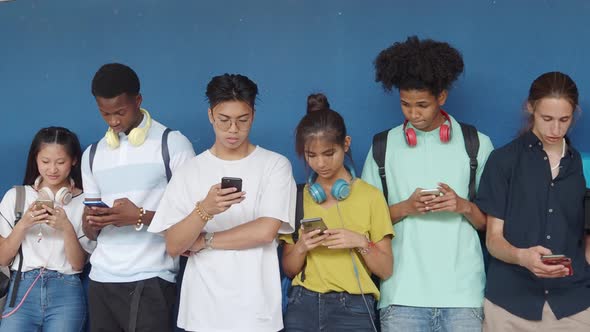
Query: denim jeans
{"points": [[311, 311], [56, 303], [417, 319]]}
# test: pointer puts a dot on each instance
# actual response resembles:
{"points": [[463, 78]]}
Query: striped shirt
{"points": [[138, 173]]}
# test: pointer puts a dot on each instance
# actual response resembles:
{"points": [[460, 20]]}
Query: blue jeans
{"points": [[56, 303], [311, 311], [417, 319]]}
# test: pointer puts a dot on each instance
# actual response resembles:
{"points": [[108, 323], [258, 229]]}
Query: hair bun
{"points": [[317, 102]]}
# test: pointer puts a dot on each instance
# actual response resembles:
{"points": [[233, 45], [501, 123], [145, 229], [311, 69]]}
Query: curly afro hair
{"points": [[418, 65]]}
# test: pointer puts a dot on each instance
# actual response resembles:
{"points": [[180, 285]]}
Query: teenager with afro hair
{"points": [[438, 275]]}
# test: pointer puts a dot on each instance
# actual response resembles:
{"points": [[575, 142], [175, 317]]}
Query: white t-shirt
{"points": [[49, 252], [232, 290]]}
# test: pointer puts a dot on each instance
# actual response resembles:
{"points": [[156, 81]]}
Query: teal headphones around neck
{"points": [[340, 189]]}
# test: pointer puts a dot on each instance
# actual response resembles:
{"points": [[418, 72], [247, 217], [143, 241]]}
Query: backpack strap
{"points": [[19, 208], [166, 154], [298, 211], [472, 147], [379, 148], [91, 155]]}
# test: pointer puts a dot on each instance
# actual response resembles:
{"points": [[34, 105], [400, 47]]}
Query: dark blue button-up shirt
{"points": [[516, 186]]}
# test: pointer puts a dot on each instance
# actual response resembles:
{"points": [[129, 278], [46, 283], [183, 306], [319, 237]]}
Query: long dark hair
{"points": [[54, 135]]}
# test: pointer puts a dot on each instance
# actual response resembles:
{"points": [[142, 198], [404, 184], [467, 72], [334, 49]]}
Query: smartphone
{"points": [[558, 260], [435, 192], [100, 204], [229, 182], [311, 224], [40, 202]]}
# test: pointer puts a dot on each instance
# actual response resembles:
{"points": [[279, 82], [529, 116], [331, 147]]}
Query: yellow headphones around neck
{"points": [[136, 136]]}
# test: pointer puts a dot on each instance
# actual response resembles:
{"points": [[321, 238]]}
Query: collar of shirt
{"points": [[533, 143]]}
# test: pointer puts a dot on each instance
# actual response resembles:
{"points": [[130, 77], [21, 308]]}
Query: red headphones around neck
{"points": [[444, 131]]}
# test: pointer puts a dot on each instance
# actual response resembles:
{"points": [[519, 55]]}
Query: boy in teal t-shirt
{"points": [[439, 278]]}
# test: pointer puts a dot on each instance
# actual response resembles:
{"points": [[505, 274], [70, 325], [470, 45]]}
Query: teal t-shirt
{"points": [[438, 260], [586, 166]]}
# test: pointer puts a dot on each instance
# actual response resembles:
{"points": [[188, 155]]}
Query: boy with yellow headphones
{"points": [[124, 170]]}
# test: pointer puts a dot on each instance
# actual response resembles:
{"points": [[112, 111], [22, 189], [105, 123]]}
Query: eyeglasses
{"points": [[243, 124]]}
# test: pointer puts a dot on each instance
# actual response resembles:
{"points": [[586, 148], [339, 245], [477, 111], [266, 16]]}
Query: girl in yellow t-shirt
{"points": [[331, 268]]}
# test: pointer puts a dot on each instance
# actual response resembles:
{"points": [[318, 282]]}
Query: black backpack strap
{"points": [[379, 148], [19, 208], [91, 155], [298, 211], [472, 147], [166, 154]]}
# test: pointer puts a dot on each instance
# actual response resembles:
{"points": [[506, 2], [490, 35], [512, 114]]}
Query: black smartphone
{"points": [[229, 182]]}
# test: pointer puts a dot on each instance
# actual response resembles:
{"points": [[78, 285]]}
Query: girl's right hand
{"points": [[309, 241], [32, 216], [218, 200]]}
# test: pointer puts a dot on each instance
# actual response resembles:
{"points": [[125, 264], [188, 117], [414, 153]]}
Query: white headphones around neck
{"points": [[63, 196], [136, 136]]}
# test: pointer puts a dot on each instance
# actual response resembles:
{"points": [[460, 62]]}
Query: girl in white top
{"points": [[232, 280], [48, 292]]}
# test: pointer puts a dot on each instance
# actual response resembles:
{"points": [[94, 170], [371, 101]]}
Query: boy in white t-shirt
{"points": [[231, 281]]}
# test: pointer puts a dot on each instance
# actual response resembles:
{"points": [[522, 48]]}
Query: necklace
{"points": [[562, 155]]}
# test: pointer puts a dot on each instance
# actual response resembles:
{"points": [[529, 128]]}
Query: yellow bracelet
{"points": [[139, 224], [202, 213]]}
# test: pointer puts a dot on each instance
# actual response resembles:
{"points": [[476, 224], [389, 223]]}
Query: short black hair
{"points": [[418, 65], [230, 87], [114, 79]]}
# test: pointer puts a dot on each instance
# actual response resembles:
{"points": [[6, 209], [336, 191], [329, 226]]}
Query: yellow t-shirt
{"points": [[331, 270]]}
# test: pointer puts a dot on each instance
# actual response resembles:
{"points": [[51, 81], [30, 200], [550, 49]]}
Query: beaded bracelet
{"points": [[139, 224], [364, 251], [202, 213]]}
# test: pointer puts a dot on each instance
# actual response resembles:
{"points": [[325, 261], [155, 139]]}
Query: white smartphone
{"points": [[435, 192]]}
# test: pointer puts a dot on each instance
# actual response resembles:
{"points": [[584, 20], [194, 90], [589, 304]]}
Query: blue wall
{"points": [[49, 51]]}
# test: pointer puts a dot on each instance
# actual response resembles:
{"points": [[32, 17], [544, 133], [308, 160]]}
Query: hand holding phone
{"points": [[230, 182], [558, 260]]}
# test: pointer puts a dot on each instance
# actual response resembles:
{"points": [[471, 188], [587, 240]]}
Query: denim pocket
{"points": [[355, 305], [387, 313], [478, 313], [72, 280], [295, 296]]}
